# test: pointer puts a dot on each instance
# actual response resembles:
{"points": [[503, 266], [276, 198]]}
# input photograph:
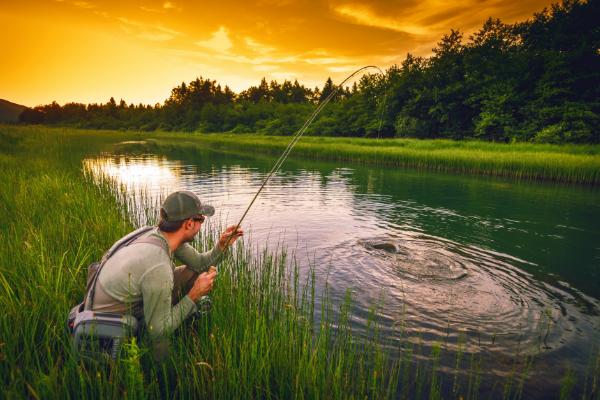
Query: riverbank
{"points": [[578, 164], [559, 163], [261, 340]]}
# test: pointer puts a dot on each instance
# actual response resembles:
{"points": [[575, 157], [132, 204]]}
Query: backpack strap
{"points": [[136, 236], [152, 239], [125, 240]]}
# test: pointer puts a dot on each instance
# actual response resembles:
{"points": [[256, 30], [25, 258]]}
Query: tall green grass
{"points": [[560, 163], [564, 163], [262, 339]]}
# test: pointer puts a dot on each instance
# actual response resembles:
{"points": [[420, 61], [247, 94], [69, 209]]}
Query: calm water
{"points": [[494, 266]]}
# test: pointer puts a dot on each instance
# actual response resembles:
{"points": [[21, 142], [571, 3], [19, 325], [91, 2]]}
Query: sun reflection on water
{"points": [[145, 173]]}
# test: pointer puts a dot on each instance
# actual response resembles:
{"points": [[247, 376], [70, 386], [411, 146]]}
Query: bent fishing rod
{"points": [[296, 137]]}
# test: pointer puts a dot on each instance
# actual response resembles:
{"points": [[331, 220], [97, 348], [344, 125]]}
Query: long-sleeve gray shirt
{"points": [[141, 274]]}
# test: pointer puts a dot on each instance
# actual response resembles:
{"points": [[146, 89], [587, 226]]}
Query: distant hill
{"points": [[9, 112]]}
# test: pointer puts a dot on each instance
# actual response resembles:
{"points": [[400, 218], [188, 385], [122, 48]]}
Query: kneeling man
{"points": [[141, 278]]}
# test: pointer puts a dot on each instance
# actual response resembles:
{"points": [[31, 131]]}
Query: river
{"points": [[501, 268]]}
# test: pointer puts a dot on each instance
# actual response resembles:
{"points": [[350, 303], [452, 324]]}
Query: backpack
{"points": [[93, 332]]}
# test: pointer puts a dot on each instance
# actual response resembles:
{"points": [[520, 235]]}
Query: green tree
{"points": [[328, 88]]}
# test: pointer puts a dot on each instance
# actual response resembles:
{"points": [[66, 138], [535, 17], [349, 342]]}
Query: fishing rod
{"points": [[296, 137]]}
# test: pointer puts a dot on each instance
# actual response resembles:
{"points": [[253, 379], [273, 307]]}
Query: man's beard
{"points": [[190, 240]]}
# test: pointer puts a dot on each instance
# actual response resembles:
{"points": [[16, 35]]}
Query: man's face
{"points": [[193, 226]]}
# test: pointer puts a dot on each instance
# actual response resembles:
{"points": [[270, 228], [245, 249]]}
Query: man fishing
{"points": [[141, 278], [137, 275]]}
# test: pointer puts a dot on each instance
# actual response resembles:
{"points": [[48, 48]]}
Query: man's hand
{"points": [[232, 233], [203, 284]]}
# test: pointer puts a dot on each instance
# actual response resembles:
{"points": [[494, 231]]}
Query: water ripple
{"points": [[387, 232], [443, 290]]}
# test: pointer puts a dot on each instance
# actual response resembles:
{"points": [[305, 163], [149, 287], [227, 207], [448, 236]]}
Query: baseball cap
{"points": [[184, 204]]}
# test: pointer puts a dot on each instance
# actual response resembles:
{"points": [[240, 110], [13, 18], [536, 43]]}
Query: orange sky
{"points": [[88, 51]]}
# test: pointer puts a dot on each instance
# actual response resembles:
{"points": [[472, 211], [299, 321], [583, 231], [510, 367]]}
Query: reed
{"points": [[262, 339], [578, 164], [560, 163]]}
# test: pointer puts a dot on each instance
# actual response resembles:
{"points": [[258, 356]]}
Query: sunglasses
{"points": [[199, 218]]}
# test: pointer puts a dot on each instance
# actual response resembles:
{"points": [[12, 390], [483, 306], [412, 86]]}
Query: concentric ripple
{"points": [[431, 262], [444, 291]]}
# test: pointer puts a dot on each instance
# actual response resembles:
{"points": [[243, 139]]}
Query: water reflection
{"points": [[454, 258], [153, 174]]}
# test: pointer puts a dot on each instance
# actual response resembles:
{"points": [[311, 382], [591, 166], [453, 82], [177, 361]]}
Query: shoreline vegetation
{"points": [[559, 163], [569, 164], [261, 340]]}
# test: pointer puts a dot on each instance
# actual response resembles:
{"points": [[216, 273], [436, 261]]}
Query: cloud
{"points": [[150, 9], [343, 68], [167, 5], [156, 36], [168, 30], [80, 4], [275, 64], [427, 20], [364, 15], [328, 60], [219, 41], [290, 59], [83, 4], [257, 47], [130, 22], [150, 32]]}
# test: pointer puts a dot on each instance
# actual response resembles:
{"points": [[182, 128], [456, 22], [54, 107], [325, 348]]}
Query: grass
{"points": [[578, 164], [559, 163], [262, 339]]}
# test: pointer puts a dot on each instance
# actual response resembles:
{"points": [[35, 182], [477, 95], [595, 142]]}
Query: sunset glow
{"points": [[88, 51]]}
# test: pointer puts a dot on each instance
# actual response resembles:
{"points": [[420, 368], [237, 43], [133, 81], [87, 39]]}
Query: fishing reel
{"points": [[204, 306]]}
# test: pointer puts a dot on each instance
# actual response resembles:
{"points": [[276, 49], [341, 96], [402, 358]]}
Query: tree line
{"points": [[537, 80]]}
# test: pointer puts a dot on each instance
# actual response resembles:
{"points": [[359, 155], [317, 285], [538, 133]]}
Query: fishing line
{"points": [[296, 137]]}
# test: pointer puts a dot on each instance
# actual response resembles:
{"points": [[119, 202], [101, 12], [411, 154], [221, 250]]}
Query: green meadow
{"points": [[261, 339]]}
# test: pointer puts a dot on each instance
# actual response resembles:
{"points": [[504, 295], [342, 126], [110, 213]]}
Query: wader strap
{"points": [[133, 237]]}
